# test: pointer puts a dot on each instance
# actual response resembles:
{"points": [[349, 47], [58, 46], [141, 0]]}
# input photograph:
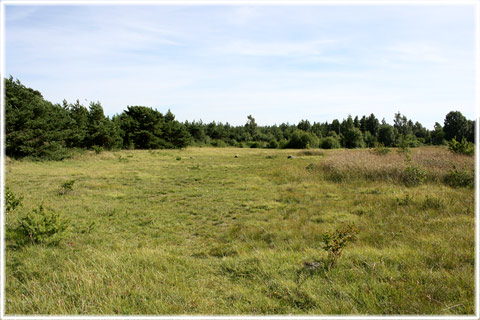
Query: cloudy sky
{"points": [[280, 63]]}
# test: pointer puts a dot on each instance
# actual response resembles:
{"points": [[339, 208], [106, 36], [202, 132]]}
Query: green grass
{"points": [[199, 231]]}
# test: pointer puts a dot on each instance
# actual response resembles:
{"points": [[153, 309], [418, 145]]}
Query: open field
{"points": [[199, 231]]}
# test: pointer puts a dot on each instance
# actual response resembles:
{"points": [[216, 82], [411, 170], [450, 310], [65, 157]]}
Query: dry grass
{"points": [[345, 165]]}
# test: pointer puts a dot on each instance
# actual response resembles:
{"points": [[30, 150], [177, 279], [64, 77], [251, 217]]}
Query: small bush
{"points": [[380, 149], [329, 143], [98, 149], [42, 226], [336, 241], [273, 144], [218, 143], [462, 147], [66, 187], [460, 178], [11, 201], [412, 174], [178, 158], [256, 144]]}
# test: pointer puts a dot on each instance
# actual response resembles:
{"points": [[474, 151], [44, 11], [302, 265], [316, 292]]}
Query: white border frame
{"points": [[474, 3]]}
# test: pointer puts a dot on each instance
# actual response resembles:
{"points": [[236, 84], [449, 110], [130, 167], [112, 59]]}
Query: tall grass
{"points": [[347, 165]]}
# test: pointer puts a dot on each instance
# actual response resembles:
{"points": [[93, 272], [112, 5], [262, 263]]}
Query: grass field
{"points": [[199, 231]]}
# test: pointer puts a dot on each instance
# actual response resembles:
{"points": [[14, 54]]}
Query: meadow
{"points": [[243, 231]]}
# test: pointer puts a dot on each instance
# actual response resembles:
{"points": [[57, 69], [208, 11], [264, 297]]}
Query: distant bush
{"points": [[334, 242], [273, 144], [460, 178], [380, 149], [98, 149], [329, 143], [256, 144], [218, 143], [462, 147], [302, 140], [413, 175], [42, 226]]}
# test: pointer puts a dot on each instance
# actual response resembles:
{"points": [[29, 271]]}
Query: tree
{"points": [[455, 125], [437, 135], [304, 125], [251, 127], [302, 140], [372, 125], [353, 138], [386, 135]]}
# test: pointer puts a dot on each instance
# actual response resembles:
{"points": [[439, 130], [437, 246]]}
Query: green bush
{"points": [[334, 242], [11, 201], [98, 149], [460, 178], [412, 174], [66, 187], [380, 149], [329, 143], [273, 144], [462, 147], [302, 140], [42, 226]]}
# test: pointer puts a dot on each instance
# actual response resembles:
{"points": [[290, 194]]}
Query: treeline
{"points": [[37, 128]]}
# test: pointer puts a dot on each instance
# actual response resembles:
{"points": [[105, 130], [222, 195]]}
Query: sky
{"points": [[279, 63]]}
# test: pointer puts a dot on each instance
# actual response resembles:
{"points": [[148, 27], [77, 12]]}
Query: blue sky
{"points": [[279, 63]]}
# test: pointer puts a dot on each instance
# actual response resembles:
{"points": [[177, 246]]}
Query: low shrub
{"points": [[273, 144], [413, 175], [42, 226], [462, 147], [98, 149], [334, 242], [11, 201], [66, 187], [380, 149], [459, 178], [329, 143]]}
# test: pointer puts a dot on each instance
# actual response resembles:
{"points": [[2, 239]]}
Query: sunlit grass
{"points": [[210, 233]]}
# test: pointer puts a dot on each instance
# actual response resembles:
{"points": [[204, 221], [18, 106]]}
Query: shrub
{"points": [[460, 178], [462, 147], [380, 149], [302, 140], [273, 144], [66, 187], [329, 143], [412, 174], [98, 149], [336, 241], [11, 201], [256, 144], [42, 226], [218, 143]]}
